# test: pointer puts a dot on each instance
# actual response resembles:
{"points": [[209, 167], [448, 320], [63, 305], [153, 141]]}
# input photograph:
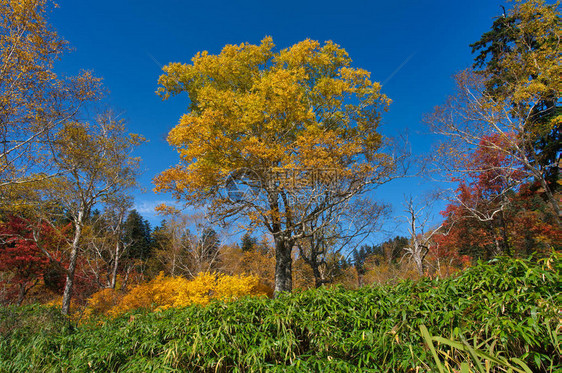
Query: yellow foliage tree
{"points": [[34, 101], [268, 121], [97, 166]]}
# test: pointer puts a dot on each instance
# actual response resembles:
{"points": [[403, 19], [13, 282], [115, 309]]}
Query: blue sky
{"points": [[414, 47]]}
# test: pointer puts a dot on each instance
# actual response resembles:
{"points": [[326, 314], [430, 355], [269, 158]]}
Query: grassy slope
{"points": [[511, 305]]}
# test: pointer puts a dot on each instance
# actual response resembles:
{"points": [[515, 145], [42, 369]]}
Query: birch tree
{"points": [[97, 164], [509, 104], [34, 102]]}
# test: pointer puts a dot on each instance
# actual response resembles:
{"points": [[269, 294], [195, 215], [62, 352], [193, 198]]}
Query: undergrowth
{"points": [[507, 309]]}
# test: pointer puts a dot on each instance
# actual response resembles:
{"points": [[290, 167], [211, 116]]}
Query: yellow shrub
{"points": [[164, 292], [233, 287], [75, 308], [102, 302]]}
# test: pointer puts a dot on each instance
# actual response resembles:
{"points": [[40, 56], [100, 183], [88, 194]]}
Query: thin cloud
{"points": [[399, 68]]}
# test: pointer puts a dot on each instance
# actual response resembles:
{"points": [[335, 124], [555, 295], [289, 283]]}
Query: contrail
{"points": [[399, 68], [155, 60], [383, 83]]}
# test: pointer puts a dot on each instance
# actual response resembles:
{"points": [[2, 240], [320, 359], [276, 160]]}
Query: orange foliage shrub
{"points": [[76, 307], [303, 277], [164, 292], [255, 262], [347, 278], [385, 273], [103, 301]]}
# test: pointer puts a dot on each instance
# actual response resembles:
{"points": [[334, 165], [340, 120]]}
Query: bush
{"points": [[164, 292]]}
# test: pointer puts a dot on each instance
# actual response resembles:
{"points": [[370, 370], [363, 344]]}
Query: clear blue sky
{"points": [[414, 47]]}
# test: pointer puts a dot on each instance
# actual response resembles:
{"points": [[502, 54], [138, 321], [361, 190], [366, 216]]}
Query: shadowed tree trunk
{"points": [[283, 265]]}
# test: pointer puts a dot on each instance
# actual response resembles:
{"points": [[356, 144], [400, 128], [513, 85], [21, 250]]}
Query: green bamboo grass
{"points": [[494, 317]]}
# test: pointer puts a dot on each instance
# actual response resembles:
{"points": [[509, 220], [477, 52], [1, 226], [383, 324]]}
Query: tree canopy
{"points": [[279, 116], [519, 59], [34, 101], [509, 106]]}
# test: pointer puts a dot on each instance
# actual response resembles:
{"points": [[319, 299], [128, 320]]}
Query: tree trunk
{"points": [[552, 199], [418, 259], [283, 265], [173, 269], [312, 262], [498, 248], [68, 287], [24, 290], [126, 279], [360, 275], [115, 266], [118, 233], [318, 280], [506, 244], [535, 171], [417, 255]]}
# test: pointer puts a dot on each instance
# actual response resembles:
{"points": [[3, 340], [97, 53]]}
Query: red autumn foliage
{"points": [[22, 259], [495, 212]]}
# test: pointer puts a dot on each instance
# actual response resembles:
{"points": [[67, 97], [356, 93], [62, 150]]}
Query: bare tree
{"points": [[473, 119], [172, 246], [336, 232], [418, 216], [105, 242], [187, 245]]}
